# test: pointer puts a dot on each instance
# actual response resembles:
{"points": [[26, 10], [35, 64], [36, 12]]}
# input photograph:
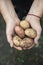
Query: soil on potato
{"points": [[11, 56]]}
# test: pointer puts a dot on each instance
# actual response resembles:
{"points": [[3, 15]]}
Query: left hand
{"points": [[35, 24]]}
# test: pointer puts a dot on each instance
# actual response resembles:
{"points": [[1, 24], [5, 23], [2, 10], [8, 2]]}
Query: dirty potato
{"points": [[26, 42], [19, 31], [30, 33], [24, 24], [16, 40]]}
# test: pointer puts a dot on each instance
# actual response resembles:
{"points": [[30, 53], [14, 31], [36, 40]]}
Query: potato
{"points": [[19, 31], [24, 24], [24, 35], [23, 43], [30, 33], [16, 40], [26, 42]]}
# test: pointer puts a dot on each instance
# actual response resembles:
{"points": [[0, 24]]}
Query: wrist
{"points": [[34, 15], [32, 18], [36, 12], [14, 22]]}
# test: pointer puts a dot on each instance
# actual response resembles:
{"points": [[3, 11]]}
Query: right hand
{"points": [[10, 32]]}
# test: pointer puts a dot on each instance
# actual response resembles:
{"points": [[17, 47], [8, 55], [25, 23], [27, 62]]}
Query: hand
{"points": [[35, 24], [10, 32]]}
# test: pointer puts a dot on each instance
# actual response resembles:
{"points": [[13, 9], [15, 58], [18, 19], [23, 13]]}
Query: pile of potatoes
{"points": [[24, 35]]}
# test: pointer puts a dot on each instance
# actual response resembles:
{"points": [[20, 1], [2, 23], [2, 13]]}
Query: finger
{"points": [[18, 48], [38, 35]]}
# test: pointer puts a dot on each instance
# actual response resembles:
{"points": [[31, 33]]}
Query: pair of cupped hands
{"points": [[11, 19]]}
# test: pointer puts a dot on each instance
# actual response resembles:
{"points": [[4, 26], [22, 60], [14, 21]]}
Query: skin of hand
{"points": [[36, 9], [11, 19]]}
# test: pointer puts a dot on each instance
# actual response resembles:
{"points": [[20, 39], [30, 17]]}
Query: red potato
{"points": [[19, 31]]}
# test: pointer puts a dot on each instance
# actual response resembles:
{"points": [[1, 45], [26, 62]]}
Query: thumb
{"points": [[9, 39], [38, 36]]}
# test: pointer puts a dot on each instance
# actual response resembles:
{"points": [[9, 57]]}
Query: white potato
{"points": [[16, 40], [24, 24], [30, 33], [26, 42]]}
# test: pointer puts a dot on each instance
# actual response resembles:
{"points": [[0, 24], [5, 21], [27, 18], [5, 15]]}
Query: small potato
{"points": [[16, 40], [24, 24], [19, 31], [30, 33], [26, 42]]}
